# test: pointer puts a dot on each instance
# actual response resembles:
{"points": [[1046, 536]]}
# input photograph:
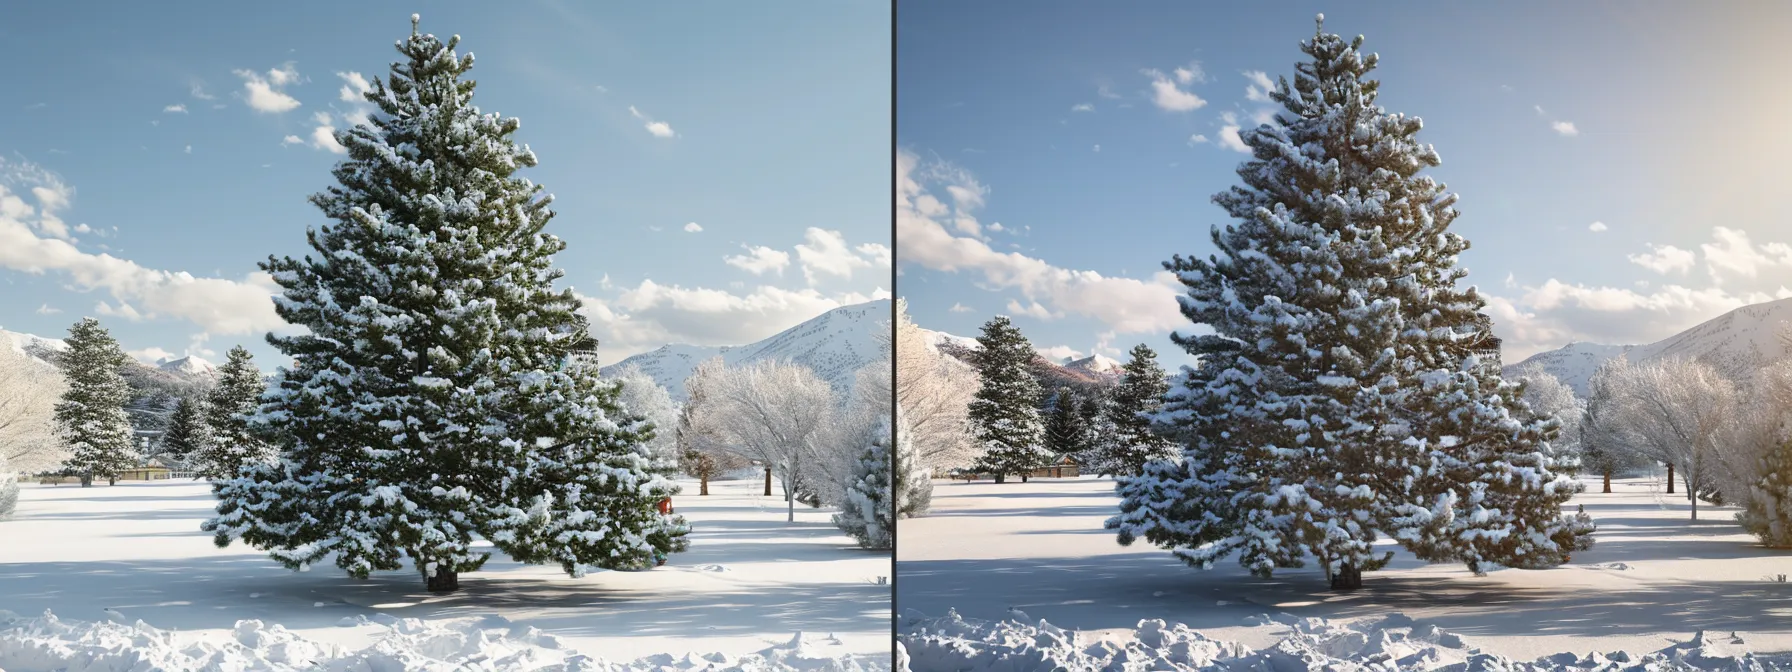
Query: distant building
{"points": [[1484, 345]]}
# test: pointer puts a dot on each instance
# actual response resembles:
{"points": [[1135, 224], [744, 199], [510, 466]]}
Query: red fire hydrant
{"points": [[665, 506]]}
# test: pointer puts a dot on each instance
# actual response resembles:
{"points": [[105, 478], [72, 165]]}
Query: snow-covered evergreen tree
{"points": [[1342, 398], [1768, 512], [866, 512], [445, 391], [91, 418], [1129, 438], [1005, 413], [1065, 431], [230, 442], [187, 436], [913, 481]]}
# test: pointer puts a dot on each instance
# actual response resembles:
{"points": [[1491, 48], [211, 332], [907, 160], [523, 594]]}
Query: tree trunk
{"points": [[445, 581], [703, 484], [1608, 483], [1349, 577], [1023, 476], [1670, 478], [111, 481], [768, 482], [790, 503], [999, 478], [86, 480], [1693, 496]]}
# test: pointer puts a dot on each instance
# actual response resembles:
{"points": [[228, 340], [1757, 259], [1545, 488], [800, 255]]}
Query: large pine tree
{"points": [[91, 418], [1133, 439], [231, 441], [1342, 398], [1065, 430], [1005, 413], [445, 391]]}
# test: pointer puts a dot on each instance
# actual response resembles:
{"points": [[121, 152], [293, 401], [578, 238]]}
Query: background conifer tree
{"points": [[1131, 439], [187, 435], [1005, 413], [230, 441], [91, 419]]}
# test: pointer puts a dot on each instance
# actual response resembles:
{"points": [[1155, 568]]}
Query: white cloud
{"points": [[324, 135], [292, 140], [1059, 353], [1106, 92], [1167, 95], [354, 87], [1082, 107], [658, 129], [1229, 139], [960, 308], [1191, 74], [47, 310], [1597, 227], [1565, 128], [1098, 149], [265, 94], [1196, 139], [1734, 253], [651, 315], [600, 88], [150, 355], [924, 237], [1539, 109], [1031, 309], [693, 227], [217, 305], [198, 91], [175, 109], [826, 253], [1664, 259], [1260, 86], [1556, 313], [760, 260]]}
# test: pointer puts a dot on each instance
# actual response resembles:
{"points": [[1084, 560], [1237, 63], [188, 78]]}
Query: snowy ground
{"points": [[1653, 579], [748, 582]]}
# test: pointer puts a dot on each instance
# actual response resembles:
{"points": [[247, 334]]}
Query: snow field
{"points": [[747, 583], [1652, 579]]}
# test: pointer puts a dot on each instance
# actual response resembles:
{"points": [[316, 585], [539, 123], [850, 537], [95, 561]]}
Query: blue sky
{"points": [[1620, 165], [152, 154]]}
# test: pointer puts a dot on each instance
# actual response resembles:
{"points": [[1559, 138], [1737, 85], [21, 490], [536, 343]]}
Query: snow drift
{"points": [[490, 643], [1393, 642]]}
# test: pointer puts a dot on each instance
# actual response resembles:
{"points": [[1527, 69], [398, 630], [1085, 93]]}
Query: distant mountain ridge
{"points": [[1093, 371], [835, 344], [1735, 343]]}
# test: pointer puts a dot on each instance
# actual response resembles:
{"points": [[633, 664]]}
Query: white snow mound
{"points": [[1393, 642], [489, 644]]}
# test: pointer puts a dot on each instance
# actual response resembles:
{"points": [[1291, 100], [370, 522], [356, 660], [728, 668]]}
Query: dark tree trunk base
{"points": [[1000, 478], [703, 487], [1347, 578], [1608, 483], [445, 581], [768, 481], [1670, 479]]}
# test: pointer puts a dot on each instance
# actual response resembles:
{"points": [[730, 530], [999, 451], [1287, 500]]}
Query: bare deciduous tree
{"points": [[777, 413], [935, 391], [1677, 411], [701, 452], [29, 390]]}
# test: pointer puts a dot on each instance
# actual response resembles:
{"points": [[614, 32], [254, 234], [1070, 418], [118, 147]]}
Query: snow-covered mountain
{"points": [[31, 344], [188, 366], [835, 344], [1096, 364], [939, 338], [1736, 343]]}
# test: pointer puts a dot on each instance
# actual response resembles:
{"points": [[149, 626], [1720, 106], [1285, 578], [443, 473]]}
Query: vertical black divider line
{"points": [[895, 295]]}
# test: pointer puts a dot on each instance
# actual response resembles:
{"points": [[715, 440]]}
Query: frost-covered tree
{"points": [[935, 389], [1005, 413], [867, 512], [1342, 398], [644, 397], [1065, 430], [777, 413], [1674, 411], [1550, 398], [29, 390], [1130, 439], [701, 453], [913, 480], [91, 418], [9, 489], [188, 435], [445, 391], [229, 441], [1603, 449]]}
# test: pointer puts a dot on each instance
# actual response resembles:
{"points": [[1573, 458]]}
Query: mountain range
{"points": [[1735, 343], [1096, 370], [835, 345]]}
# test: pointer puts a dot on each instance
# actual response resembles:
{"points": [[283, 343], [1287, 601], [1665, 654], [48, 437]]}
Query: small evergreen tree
{"points": [[444, 391], [91, 418], [1005, 413], [1768, 512], [187, 436], [1065, 430], [1132, 440], [913, 481], [867, 513], [231, 442]]}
